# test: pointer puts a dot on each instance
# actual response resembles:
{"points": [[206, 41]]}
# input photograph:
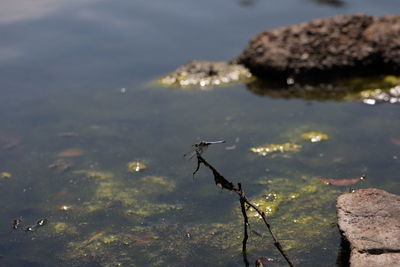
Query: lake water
{"points": [[77, 75]]}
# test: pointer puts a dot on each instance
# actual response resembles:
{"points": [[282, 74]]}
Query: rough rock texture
{"points": [[369, 219], [326, 48], [206, 74]]}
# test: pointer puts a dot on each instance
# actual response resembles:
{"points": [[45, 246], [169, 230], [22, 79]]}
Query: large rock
{"points": [[369, 219], [326, 48]]}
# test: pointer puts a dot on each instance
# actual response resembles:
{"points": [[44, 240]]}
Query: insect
{"points": [[16, 223], [201, 147]]}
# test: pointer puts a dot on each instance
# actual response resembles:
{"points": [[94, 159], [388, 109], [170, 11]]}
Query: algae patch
{"points": [[5, 175], [314, 136], [206, 75], [136, 166], [300, 212], [276, 149], [95, 174]]}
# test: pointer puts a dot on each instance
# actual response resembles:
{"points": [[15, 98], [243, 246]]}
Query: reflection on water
{"points": [[370, 90], [20, 10], [246, 3], [334, 3]]}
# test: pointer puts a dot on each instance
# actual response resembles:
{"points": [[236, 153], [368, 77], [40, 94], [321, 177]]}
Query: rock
{"points": [[342, 46], [369, 220], [206, 75]]}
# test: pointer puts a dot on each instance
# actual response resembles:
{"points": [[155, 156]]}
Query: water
{"points": [[63, 65]]}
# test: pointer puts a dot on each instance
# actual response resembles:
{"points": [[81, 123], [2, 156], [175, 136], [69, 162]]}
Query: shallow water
{"points": [[63, 65]]}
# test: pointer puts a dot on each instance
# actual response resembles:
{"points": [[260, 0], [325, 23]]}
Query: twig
{"points": [[225, 184], [245, 230]]}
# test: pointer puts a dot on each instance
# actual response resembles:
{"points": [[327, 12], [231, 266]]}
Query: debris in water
{"points": [[93, 238], [9, 142], [16, 223], [342, 182], [61, 165], [68, 134], [73, 152], [265, 260], [395, 141], [38, 224]]}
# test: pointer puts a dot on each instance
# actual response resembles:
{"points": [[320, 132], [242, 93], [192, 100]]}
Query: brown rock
{"points": [[326, 48], [365, 260], [369, 219]]}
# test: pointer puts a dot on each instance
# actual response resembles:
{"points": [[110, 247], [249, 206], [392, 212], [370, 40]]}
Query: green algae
{"points": [[94, 174], [314, 136], [268, 203], [150, 209], [154, 185], [60, 227], [366, 83], [276, 149], [64, 228], [5, 175], [109, 239], [206, 75], [136, 166], [136, 201], [301, 212]]}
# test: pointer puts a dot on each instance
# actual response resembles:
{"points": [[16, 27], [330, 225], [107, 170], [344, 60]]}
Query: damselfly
{"points": [[201, 147]]}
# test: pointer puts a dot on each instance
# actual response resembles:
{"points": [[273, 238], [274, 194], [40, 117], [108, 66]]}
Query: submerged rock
{"points": [[369, 220], [206, 74], [326, 48]]}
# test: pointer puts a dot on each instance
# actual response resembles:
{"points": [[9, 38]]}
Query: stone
{"points": [[337, 47], [206, 75], [369, 220]]}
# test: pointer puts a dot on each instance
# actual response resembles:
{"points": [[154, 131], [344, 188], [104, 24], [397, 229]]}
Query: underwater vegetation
{"points": [[136, 166], [298, 210], [314, 137], [94, 174], [5, 175], [276, 149], [287, 149]]}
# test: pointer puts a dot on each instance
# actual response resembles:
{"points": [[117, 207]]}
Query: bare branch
{"points": [[225, 184]]}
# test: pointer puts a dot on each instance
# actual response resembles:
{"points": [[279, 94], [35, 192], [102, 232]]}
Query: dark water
{"points": [[62, 67]]}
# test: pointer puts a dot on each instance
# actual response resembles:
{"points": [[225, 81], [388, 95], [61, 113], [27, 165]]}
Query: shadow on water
{"points": [[367, 90], [343, 254], [332, 3]]}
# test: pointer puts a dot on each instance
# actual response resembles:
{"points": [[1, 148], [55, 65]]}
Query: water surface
{"points": [[63, 65]]}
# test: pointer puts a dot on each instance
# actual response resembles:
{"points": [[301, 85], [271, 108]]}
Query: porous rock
{"points": [[336, 47], [369, 220]]}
